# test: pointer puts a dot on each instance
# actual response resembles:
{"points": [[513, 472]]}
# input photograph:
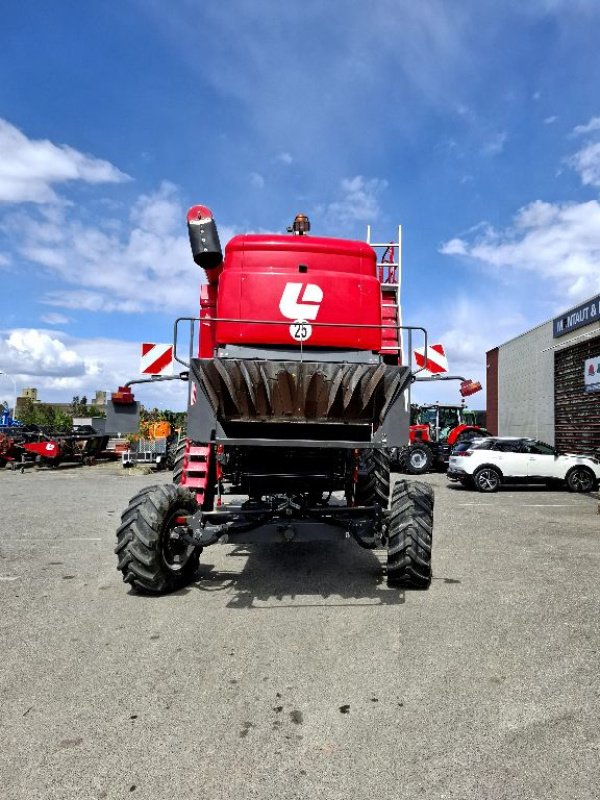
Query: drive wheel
{"points": [[410, 535], [171, 455], [581, 479], [418, 459], [177, 458], [373, 485], [150, 556], [487, 479]]}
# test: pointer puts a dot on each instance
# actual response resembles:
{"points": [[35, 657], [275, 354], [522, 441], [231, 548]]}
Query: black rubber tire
{"points": [[581, 479], [178, 461], [418, 459], [171, 455], [487, 479], [373, 485], [410, 536], [146, 556], [467, 482]]}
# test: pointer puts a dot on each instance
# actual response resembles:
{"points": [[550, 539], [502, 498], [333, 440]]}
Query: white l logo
{"points": [[293, 306]]}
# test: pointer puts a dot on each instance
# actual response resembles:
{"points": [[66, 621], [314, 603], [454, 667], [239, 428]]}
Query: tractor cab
{"points": [[434, 423]]}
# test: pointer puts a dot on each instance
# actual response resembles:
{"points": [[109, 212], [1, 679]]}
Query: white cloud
{"points": [[285, 158], [60, 366], [587, 163], [358, 202], [467, 329], [55, 319], [559, 243], [454, 247], [127, 265], [257, 180], [29, 168], [591, 127], [382, 59], [495, 145], [550, 120], [34, 352]]}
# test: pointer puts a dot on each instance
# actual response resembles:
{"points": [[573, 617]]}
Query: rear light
{"points": [[463, 454], [123, 396], [469, 387]]}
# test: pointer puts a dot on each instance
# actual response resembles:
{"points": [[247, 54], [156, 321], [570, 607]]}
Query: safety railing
{"points": [[193, 338]]}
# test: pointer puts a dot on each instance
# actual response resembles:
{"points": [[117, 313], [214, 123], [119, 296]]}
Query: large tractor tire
{"points": [[410, 533], [178, 457], [418, 459], [149, 557], [373, 485]]}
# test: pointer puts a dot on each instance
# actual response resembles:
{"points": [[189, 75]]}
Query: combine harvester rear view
{"points": [[297, 391]]}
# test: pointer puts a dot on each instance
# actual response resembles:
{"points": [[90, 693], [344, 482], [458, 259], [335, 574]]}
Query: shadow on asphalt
{"points": [[293, 576], [534, 488]]}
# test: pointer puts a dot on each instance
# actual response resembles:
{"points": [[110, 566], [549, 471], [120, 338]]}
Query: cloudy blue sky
{"points": [[475, 124]]}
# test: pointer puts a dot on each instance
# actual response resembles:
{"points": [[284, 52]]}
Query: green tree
{"points": [[44, 416]]}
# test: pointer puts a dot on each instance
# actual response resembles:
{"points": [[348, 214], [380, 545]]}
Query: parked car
{"points": [[489, 463]]}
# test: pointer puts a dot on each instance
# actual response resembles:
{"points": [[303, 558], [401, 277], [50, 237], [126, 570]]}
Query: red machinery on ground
{"points": [[30, 444], [434, 431], [297, 391]]}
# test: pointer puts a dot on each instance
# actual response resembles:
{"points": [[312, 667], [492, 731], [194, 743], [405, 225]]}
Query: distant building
{"points": [[545, 383], [30, 395]]}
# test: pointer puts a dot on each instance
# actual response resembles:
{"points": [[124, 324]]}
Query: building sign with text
{"points": [[584, 314], [591, 374]]}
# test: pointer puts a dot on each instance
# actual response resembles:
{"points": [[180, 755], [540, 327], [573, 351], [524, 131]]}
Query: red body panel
{"points": [[284, 278], [455, 432], [419, 433], [44, 449]]}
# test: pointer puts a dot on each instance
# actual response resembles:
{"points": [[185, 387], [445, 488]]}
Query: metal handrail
{"points": [[211, 319]]}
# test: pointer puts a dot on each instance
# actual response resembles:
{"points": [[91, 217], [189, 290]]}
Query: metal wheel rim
{"points": [[418, 459], [487, 479], [175, 553], [581, 479]]}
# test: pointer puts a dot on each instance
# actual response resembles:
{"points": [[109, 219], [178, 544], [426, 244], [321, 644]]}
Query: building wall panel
{"points": [[492, 391], [526, 385]]}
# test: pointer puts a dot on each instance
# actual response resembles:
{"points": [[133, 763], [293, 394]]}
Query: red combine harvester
{"points": [[296, 393]]}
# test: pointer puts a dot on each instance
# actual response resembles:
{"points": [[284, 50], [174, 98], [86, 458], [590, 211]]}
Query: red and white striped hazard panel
{"points": [[436, 362], [157, 359]]}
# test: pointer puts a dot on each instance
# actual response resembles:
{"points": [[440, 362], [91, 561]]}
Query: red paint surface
{"points": [[257, 269]]}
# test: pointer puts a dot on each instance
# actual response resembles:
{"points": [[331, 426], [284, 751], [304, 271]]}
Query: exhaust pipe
{"points": [[204, 240]]}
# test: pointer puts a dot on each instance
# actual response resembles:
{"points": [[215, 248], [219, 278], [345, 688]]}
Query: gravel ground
{"points": [[293, 671]]}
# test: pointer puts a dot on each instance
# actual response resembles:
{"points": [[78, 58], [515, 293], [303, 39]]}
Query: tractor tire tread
{"points": [[410, 533], [138, 548]]}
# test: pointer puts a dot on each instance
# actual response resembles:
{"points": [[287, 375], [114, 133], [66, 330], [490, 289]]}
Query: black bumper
{"points": [[456, 474]]}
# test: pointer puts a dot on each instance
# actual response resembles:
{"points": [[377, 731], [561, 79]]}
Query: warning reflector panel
{"points": [[157, 359], [436, 362]]}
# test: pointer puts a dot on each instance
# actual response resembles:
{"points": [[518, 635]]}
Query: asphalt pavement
{"points": [[292, 671]]}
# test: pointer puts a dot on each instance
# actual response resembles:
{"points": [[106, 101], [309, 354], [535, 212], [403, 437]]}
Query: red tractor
{"points": [[296, 394], [434, 431]]}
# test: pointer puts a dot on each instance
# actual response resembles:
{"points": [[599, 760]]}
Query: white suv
{"points": [[488, 463]]}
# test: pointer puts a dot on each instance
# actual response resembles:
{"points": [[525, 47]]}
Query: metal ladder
{"points": [[389, 272]]}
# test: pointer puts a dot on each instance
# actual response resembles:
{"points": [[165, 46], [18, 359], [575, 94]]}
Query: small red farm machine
{"points": [[29, 444], [435, 429], [297, 391]]}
